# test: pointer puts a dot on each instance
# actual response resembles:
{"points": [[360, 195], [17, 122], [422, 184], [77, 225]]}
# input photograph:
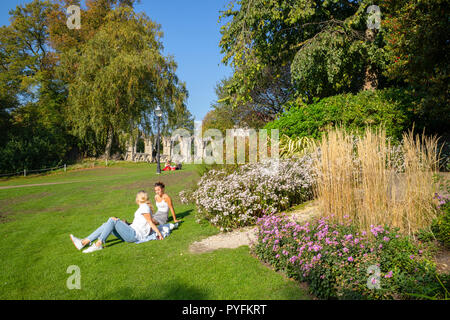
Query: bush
{"points": [[441, 225], [338, 262], [388, 107], [238, 199]]}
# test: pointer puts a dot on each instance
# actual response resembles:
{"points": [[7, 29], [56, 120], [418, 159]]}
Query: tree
{"points": [[224, 116], [121, 75], [31, 101], [418, 51], [267, 34]]}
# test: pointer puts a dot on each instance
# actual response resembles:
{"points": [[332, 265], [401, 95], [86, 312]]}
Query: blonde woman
{"points": [[137, 231]]}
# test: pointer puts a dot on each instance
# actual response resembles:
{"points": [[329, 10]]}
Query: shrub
{"points": [[388, 107], [238, 199], [441, 225], [339, 262]]}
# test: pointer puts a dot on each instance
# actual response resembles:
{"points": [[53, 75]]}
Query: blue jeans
{"points": [[117, 227]]}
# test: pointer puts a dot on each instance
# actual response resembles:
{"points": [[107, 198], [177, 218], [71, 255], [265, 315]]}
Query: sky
{"points": [[191, 35]]}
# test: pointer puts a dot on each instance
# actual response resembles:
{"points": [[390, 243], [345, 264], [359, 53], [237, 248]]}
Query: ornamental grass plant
{"points": [[375, 181]]}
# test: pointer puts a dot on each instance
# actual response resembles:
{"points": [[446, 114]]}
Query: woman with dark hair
{"points": [[164, 204]]}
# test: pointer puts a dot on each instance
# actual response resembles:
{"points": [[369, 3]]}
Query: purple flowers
{"points": [[324, 245], [442, 199], [376, 229]]}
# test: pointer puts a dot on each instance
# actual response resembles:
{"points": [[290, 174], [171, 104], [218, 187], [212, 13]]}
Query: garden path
{"points": [[246, 236]]}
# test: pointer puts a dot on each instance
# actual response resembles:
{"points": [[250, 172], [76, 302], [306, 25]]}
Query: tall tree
{"points": [[120, 77], [31, 100], [323, 43], [417, 35]]}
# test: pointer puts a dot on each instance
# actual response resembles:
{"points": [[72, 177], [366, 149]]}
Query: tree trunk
{"points": [[109, 144], [371, 77]]}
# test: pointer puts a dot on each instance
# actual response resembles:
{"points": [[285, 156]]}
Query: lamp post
{"points": [[158, 113]]}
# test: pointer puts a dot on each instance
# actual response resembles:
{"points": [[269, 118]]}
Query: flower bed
{"points": [[238, 199], [339, 262]]}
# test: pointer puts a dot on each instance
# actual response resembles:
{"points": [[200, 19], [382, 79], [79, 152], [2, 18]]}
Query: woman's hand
{"points": [[160, 237], [114, 218]]}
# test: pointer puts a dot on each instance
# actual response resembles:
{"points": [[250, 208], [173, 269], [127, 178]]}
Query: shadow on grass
{"points": [[182, 215], [173, 290]]}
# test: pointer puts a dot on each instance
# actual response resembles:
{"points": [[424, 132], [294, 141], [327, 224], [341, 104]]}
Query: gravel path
{"points": [[245, 236]]}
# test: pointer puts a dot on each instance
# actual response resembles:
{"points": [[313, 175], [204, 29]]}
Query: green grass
{"points": [[35, 248]]}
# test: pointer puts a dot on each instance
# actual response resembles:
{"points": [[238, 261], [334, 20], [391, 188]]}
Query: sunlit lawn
{"points": [[35, 248]]}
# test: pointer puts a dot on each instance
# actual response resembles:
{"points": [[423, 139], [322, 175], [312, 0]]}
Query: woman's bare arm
{"points": [[149, 219], [169, 202]]}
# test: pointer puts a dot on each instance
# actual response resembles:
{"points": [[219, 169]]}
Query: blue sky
{"points": [[191, 35]]}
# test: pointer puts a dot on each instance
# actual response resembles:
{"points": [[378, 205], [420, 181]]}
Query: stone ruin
{"points": [[177, 149]]}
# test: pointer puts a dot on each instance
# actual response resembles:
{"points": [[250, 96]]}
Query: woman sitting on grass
{"points": [[164, 203], [169, 167], [137, 231]]}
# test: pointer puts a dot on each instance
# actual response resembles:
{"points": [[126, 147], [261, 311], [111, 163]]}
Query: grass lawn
{"points": [[35, 248]]}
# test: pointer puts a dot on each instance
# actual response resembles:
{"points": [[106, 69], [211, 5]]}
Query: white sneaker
{"points": [[173, 225], [92, 248], [77, 242]]}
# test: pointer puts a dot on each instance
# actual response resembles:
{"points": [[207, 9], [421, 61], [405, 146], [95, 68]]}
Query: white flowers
{"points": [[238, 199]]}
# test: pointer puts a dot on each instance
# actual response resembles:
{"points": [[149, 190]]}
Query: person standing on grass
{"points": [[137, 231], [164, 203]]}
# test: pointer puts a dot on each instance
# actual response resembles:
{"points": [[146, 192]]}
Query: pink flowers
{"points": [[332, 252], [293, 259], [376, 230]]}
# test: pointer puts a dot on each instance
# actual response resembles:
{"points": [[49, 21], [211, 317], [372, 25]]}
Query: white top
{"points": [[162, 206], [140, 224]]}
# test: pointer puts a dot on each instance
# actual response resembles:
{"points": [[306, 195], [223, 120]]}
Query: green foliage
{"points": [[330, 64], [418, 53], [388, 107], [35, 140], [262, 35], [441, 225]]}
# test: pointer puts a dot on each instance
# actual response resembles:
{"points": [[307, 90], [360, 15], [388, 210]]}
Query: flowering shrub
{"points": [[238, 199], [441, 225], [339, 262]]}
